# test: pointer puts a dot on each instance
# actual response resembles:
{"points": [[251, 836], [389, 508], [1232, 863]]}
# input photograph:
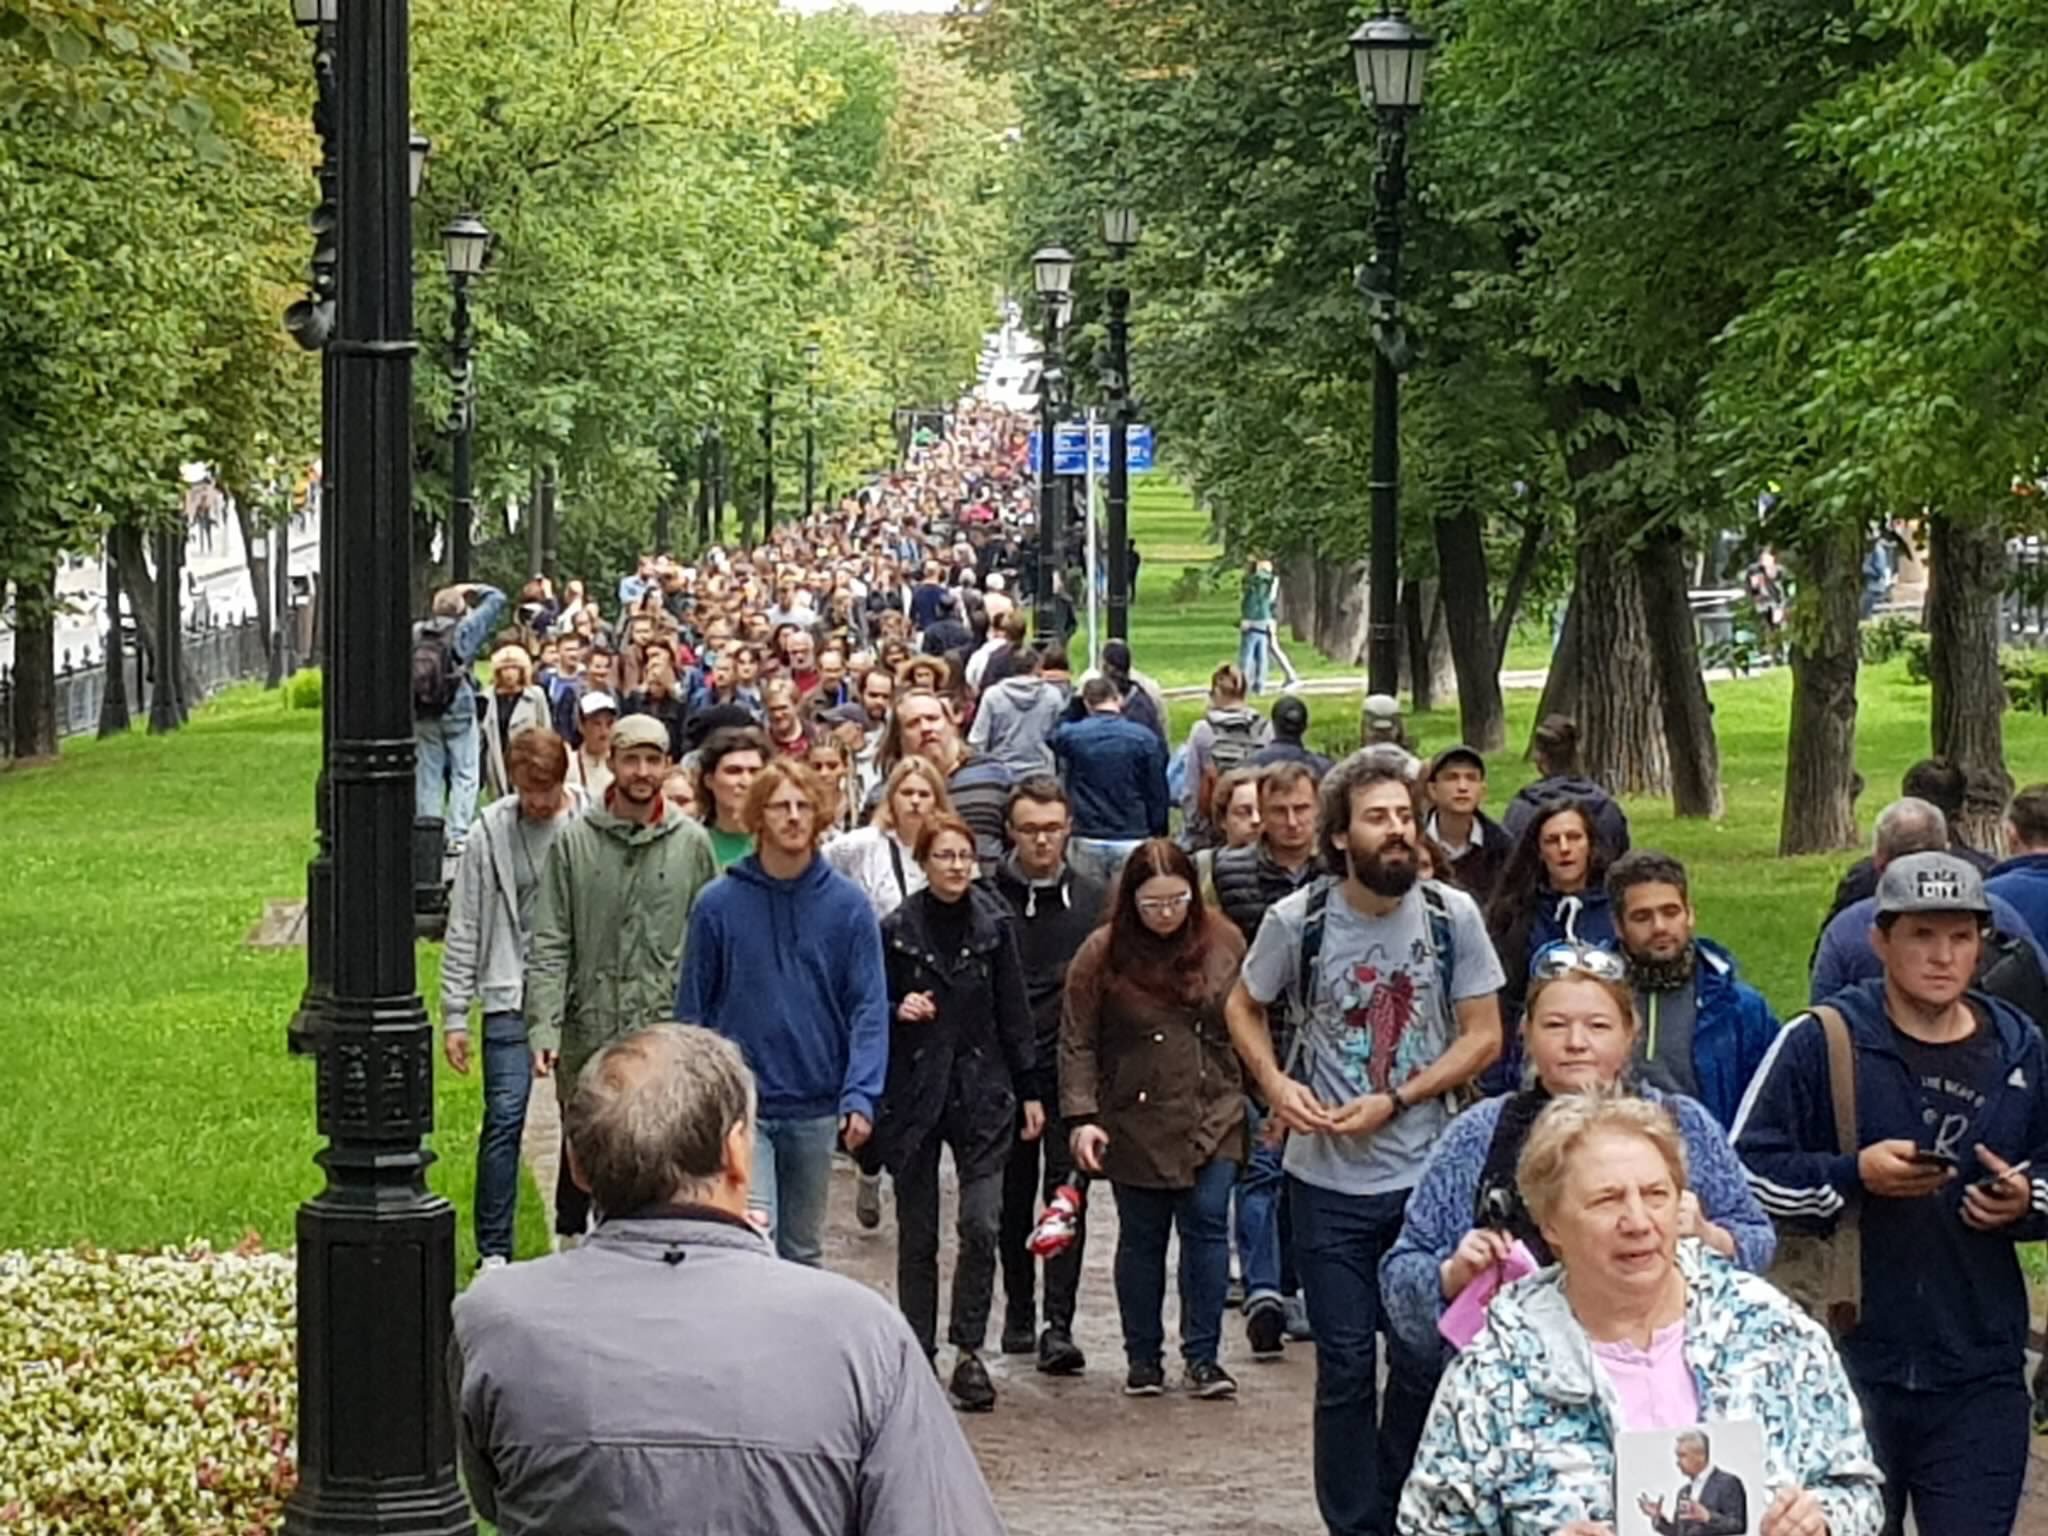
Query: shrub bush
{"points": [[1884, 638], [1915, 652], [302, 689], [146, 1392], [2026, 679]]}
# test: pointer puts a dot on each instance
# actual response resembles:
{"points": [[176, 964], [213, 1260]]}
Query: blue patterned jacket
{"points": [[1520, 1441]]}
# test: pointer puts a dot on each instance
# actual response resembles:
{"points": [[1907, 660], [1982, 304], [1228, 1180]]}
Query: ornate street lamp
{"points": [[466, 245], [1052, 274], [376, 1251], [1120, 233], [1392, 58]]}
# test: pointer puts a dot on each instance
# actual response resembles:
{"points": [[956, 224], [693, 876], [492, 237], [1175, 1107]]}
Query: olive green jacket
{"points": [[614, 904]]}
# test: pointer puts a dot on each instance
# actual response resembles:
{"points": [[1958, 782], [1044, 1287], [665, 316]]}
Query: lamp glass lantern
{"points": [[316, 13], [466, 243], [1120, 228], [1052, 271], [422, 146], [1392, 58]]}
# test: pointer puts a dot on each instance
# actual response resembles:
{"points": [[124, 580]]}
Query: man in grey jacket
{"points": [[490, 927], [1014, 720], [672, 1373]]}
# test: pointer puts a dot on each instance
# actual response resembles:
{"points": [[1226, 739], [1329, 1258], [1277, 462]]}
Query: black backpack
{"points": [[436, 674], [2009, 969]]}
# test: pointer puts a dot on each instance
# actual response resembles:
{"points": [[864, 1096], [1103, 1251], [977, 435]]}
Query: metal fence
{"points": [[215, 656]]}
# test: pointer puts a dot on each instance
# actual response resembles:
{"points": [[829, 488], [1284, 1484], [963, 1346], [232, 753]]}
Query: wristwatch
{"points": [[1400, 1104]]}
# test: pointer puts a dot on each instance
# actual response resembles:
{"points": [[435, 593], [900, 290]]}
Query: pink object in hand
{"points": [[1466, 1314]]}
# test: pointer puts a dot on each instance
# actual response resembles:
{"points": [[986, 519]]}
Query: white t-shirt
{"points": [[1379, 1018]]}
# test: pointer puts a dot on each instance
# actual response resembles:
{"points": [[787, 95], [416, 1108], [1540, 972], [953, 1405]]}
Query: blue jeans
{"points": [[445, 768], [792, 1180], [508, 1079], [1360, 1461], [1102, 857], [1145, 1220], [1251, 657], [1258, 1217]]}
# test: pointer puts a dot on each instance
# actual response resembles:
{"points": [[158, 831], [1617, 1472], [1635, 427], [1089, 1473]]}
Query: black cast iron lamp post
{"points": [[1052, 274], [1120, 234], [466, 244], [1391, 57]]}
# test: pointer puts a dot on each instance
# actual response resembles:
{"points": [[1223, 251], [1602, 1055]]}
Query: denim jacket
{"points": [[1520, 1440]]}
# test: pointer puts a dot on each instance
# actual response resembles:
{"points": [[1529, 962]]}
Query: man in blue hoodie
{"points": [[1950, 1104], [2023, 878], [784, 958], [1701, 1029]]}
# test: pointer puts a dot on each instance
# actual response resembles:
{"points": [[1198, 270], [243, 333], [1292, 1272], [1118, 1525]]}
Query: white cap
{"points": [[593, 702], [996, 582]]}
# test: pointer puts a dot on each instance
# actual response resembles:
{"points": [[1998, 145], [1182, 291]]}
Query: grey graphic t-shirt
{"points": [[1380, 1016]]}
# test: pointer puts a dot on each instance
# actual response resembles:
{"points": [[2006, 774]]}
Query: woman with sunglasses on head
{"points": [[1467, 1213], [1151, 1086], [960, 1046]]}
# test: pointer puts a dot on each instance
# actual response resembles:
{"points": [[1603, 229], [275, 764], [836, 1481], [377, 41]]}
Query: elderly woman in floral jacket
{"points": [[1631, 1330]]}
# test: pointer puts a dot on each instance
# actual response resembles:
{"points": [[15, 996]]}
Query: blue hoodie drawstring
{"points": [[1568, 910]]}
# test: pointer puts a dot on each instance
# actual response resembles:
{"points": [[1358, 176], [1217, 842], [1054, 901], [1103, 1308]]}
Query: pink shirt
{"points": [[1655, 1388]]}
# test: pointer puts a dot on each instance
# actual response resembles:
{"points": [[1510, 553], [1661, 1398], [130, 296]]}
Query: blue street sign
{"points": [[1068, 449]]}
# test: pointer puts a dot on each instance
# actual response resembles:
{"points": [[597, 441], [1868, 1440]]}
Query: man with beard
{"points": [[1701, 1029], [1393, 980]]}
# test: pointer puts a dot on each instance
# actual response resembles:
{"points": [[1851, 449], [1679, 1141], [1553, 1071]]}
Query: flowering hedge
{"points": [[145, 1392]]}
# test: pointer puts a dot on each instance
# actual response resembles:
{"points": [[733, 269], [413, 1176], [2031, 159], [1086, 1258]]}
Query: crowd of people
{"points": [[811, 851]]}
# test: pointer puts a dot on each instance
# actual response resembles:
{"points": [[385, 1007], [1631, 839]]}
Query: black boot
{"points": [[1058, 1354]]}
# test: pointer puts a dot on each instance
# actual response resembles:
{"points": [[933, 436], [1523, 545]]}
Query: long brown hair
{"points": [[1142, 960]]}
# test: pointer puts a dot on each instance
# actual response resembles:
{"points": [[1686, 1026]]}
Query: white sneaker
{"points": [[492, 1261]]}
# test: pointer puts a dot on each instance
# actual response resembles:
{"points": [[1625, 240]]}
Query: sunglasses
{"points": [[1564, 958]]}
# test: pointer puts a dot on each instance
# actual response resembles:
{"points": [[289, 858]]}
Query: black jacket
{"points": [[1248, 881], [1051, 923], [1478, 871], [955, 1075]]}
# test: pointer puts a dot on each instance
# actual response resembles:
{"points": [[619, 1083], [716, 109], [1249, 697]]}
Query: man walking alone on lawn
{"points": [[785, 959], [1395, 982], [490, 923], [615, 900]]}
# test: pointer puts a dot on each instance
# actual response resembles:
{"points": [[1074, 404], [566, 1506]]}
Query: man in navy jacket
{"points": [[1115, 773], [2023, 878], [1951, 1102]]}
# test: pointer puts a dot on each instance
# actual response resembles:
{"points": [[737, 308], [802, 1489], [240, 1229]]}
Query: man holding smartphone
{"points": [[1951, 1099]]}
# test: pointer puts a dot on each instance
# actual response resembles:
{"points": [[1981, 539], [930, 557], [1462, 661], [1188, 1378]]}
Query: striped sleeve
{"points": [[1785, 1132]]}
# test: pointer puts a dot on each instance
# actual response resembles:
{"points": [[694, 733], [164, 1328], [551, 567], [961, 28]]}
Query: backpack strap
{"points": [[1442, 944], [1312, 943]]}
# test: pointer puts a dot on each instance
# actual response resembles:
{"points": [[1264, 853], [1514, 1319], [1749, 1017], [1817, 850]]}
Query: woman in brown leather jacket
{"points": [[1150, 1085]]}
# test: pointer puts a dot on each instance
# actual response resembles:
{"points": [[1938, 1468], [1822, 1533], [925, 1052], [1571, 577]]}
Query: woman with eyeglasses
{"points": [[1467, 1213], [1552, 889], [1150, 1084], [960, 1049]]}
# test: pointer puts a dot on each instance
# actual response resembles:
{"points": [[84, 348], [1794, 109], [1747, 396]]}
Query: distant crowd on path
{"points": [[1386, 1066]]}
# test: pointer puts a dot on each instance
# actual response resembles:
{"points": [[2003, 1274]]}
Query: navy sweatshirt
{"points": [[1944, 1305], [791, 972]]}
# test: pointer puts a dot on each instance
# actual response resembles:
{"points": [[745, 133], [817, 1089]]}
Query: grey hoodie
{"points": [[1015, 720], [672, 1374]]}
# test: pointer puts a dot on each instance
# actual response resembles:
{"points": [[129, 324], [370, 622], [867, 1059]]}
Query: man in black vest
{"points": [[1056, 908], [1248, 881]]}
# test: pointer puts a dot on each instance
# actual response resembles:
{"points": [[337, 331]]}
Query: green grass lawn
{"points": [[148, 1098]]}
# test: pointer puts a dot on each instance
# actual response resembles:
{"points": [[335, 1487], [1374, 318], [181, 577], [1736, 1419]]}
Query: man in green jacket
{"points": [[615, 901]]}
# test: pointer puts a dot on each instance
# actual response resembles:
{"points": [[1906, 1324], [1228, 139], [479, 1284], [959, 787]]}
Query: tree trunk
{"points": [[114, 719], [139, 586], [1341, 611], [1526, 555], [1621, 706], [259, 568], [1414, 652], [1964, 587], [35, 667], [1561, 683], [1461, 564], [1297, 574], [1674, 645], [1820, 749]]}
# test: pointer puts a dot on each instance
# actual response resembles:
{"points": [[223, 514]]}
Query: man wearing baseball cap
{"points": [[616, 893], [1455, 784], [1950, 1104]]}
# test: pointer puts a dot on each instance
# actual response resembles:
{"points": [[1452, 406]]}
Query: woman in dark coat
{"points": [[960, 1043], [1151, 1086]]}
